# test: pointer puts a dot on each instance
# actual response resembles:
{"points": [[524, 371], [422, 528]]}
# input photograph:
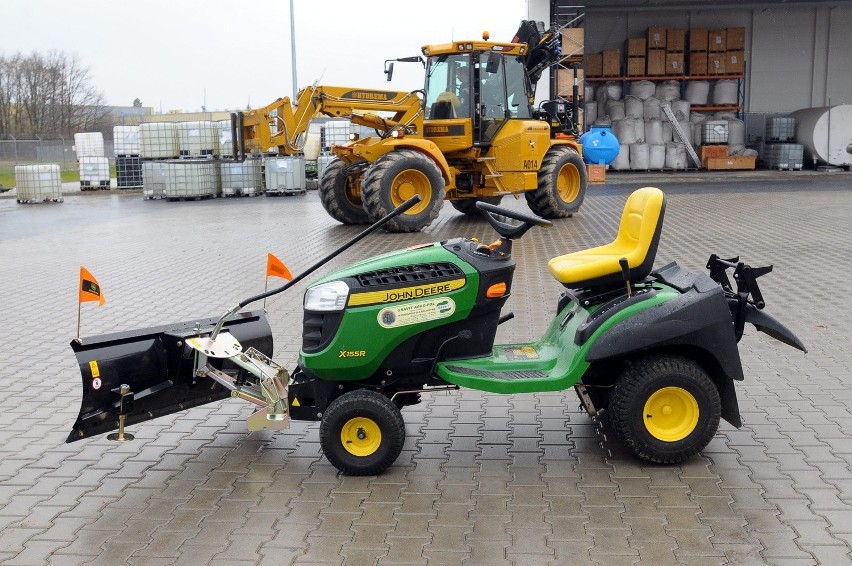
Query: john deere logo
{"points": [[444, 307], [91, 287]]}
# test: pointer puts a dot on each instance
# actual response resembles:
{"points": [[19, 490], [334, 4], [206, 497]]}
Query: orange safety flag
{"points": [[276, 268], [90, 289]]}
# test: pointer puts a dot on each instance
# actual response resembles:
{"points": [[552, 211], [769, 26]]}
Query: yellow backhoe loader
{"points": [[471, 134]]}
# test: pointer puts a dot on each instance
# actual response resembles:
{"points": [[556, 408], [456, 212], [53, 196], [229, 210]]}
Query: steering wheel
{"points": [[505, 229]]}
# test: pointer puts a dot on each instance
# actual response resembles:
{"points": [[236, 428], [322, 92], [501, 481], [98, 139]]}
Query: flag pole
{"points": [[79, 308], [265, 287]]}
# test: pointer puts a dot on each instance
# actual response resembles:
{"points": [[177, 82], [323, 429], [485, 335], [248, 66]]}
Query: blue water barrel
{"points": [[600, 146]]}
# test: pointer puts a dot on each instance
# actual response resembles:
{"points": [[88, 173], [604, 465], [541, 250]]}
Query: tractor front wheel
{"points": [[396, 177], [362, 433], [561, 184], [340, 194], [665, 408], [468, 205]]}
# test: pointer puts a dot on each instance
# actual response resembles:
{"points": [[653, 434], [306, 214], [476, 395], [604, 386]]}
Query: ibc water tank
{"points": [[38, 183], [158, 140], [190, 179], [89, 144], [285, 175], [322, 163], [94, 173], [313, 142], [153, 180], [198, 139], [125, 141], [600, 146], [244, 178]]}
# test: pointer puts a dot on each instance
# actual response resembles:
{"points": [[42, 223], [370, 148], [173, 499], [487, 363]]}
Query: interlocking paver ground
{"points": [[483, 479]]}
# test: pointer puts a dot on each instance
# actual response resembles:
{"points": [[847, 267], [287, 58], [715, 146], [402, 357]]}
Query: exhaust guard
{"points": [[159, 368]]}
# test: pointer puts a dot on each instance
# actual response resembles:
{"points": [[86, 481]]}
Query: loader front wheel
{"points": [[362, 433], [468, 205], [340, 195], [396, 177], [561, 184], [665, 408]]}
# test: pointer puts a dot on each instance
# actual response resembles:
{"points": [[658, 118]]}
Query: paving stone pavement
{"points": [[483, 479]]}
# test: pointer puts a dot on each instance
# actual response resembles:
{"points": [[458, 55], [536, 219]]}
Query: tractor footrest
{"points": [[504, 375]]}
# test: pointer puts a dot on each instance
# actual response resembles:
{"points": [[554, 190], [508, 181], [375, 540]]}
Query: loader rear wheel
{"points": [[665, 408], [396, 177], [340, 195], [362, 433], [561, 184], [468, 205]]}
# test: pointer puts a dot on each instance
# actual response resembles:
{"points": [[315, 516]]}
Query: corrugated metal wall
{"points": [[797, 56]]}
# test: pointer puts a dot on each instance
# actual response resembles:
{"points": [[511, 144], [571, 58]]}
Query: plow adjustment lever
{"points": [[746, 279], [125, 405]]}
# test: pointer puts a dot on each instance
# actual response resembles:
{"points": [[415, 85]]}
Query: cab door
{"points": [[492, 110]]}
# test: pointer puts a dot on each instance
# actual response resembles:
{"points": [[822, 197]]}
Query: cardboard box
{"points": [[656, 62], [716, 40], [635, 47], [698, 39], [635, 66], [734, 62], [674, 64], [565, 82], [596, 173], [656, 38], [706, 152], [594, 64], [675, 39], [731, 162], [573, 41], [698, 63], [716, 63], [612, 63], [735, 38]]}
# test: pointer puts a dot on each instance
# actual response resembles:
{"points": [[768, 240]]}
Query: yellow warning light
{"points": [[485, 35]]}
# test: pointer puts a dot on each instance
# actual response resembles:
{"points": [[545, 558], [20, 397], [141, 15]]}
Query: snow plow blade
{"points": [[159, 369]]}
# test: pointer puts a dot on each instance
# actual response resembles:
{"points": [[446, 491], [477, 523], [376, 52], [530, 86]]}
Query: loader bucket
{"points": [[158, 367]]}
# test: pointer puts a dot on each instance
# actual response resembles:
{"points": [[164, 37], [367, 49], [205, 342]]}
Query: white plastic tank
{"points": [[158, 140], [245, 179], [335, 132], [89, 144], [285, 175], [656, 155], [322, 162], [125, 141], [313, 142], [826, 133], [190, 179], [198, 139], [38, 183], [153, 180], [780, 128], [94, 173], [714, 132], [640, 157]]}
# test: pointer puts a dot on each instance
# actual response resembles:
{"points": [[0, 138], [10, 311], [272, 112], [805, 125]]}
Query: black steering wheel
{"points": [[506, 230]]}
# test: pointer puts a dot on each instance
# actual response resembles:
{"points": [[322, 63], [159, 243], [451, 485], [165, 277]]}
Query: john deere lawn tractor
{"points": [[470, 135], [656, 349]]}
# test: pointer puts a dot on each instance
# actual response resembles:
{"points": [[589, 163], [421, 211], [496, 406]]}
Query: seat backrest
{"points": [[639, 231], [442, 110]]}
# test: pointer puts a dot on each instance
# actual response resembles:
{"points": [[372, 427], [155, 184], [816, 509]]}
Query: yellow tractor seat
{"points": [[637, 239]]}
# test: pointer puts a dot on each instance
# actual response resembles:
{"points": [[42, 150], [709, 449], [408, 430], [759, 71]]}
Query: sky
{"points": [[179, 54]]}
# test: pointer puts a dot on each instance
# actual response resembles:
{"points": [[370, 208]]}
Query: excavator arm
{"points": [[281, 125]]}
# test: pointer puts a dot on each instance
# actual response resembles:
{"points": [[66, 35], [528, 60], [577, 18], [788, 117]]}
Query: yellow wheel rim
{"points": [[353, 192], [568, 183], [361, 436], [409, 183], [671, 414]]}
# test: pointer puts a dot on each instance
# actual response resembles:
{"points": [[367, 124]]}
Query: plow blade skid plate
{"points": [[158, 367]]}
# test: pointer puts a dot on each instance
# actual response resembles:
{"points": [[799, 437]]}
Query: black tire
{"points": [[367, 413], [394, 178], [561, 184], [339, 195], [659, 386], [468, 205]]}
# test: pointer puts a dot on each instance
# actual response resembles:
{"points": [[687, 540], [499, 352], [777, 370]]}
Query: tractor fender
{"points": [[373, 152], [697, 321], [573, 144]]}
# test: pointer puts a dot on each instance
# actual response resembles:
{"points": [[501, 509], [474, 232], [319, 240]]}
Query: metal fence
{"points": [[17, 151]]}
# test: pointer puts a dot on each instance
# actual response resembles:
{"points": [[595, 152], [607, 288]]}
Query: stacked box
{"points": [[706, 152], [635, 56], [565, 82], [716, 40], [674, 64], [734, 39], [656, 38], [731, 162], [698, 40], [783, 156], [573, 41], [94, 173], [612, 63], [734, 62], [675, 40], [780, 129], [716, 63], [594, 64], [698, 63]]}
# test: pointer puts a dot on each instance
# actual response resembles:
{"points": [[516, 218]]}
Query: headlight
{"points": [[327, 297]]}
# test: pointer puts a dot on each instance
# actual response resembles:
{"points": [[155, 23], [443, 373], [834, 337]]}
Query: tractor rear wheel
{"points": [[340, 195], [362, 433], [396, 177], [665, 408], [561, 184], [468, 205]]}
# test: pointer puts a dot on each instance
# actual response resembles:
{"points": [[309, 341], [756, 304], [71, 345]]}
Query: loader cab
{"points": [[471, 95]]}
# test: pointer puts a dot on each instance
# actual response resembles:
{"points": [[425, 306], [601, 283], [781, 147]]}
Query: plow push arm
{"points": [[280, 126]]}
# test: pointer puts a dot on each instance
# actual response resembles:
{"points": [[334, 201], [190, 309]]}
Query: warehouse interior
{"points": [[788, 56]]}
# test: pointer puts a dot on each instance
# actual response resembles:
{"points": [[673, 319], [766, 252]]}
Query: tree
{"points": [[137, 103]]}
